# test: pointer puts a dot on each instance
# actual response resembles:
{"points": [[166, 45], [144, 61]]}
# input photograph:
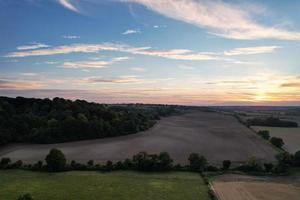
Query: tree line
{"points": [[271, 121], [59, 120]]}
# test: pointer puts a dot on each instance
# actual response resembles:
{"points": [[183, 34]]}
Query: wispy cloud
{"points": [[221, 18], [93, 63], [131, 31], [70, 36], [28, 74], [19, 84], [251, 50], [178, 54], [32, 46], [138, 69], [120, 79], [67, 4]]}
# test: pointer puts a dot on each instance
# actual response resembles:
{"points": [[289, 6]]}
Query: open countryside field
{"points": [[104, 186], [290, 136], [213, 135], [238, 187]]}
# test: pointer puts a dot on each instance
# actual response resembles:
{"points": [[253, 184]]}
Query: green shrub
{"points": [[226, 164], [197, 162], [268, 167], [278, 142], [264, 134], [56, 160]]}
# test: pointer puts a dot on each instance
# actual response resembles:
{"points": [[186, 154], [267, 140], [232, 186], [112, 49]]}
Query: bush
{"points": [[268, 167], [264, 134], [297, 158], [152, 162], [278, 142], [252, 165], [56, 160], [226, 164], [4, 163], [109, 166], [25, 197], [17, 164], [90, 163], [197, 162]]}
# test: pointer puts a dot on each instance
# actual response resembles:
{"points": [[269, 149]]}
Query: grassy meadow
{"points": [[80, 185]]}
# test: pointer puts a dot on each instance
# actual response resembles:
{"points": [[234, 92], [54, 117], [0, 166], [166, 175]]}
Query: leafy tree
{"points": [[264, 134], [197, 162], [278, 142], [90, 163], [268, 167], [226, 164], [4, 163], [56, 160], [109, 166], [297, 158], [165, 161]]}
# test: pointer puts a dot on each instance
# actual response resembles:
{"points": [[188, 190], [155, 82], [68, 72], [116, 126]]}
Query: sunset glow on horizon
{"points": [[190, 52]]}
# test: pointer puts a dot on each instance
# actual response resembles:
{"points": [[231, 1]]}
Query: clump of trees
{"points": [[278, 142], [197, 162], [152, 162], [226, 164], [264, 134], [271, 121], [60, 120]]}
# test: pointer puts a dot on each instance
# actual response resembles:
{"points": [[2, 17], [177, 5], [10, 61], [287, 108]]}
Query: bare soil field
{"points": [[238, 187], [290, 136], [213, 135]]}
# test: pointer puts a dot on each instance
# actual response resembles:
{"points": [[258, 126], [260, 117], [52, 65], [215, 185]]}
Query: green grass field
{"points": [[102, 186]]}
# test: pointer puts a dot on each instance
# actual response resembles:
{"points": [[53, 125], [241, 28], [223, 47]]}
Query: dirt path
{"points": [[237, 187], [216, 136]]}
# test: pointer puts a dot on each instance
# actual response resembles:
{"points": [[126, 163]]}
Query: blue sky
{"points": [[195, 52]]}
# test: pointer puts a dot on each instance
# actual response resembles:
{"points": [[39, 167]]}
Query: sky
{"points": [[190, 52]]}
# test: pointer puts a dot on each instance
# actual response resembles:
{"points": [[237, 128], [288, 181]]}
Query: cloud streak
{"points": [[251, 50], [67, 4], [32, 46], [131, 31], [177, 54], [121, 79], [93, 63], [221, 18]]}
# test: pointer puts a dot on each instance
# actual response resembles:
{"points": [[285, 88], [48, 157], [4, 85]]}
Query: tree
{"points": [[264, 134], [109, 166], [55, 160], [278, 142], [226, 164], [197, 162], [297, 158], [4, 163], [165, 161], [26, 196], [268, 167], [90, 163]]}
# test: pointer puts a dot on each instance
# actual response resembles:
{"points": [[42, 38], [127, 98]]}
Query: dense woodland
{"points": [[60, 120]]}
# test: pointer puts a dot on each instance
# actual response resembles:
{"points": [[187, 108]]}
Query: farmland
{"points": [[238, 187], [106, 186], [290, 136], [216, 136]]}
